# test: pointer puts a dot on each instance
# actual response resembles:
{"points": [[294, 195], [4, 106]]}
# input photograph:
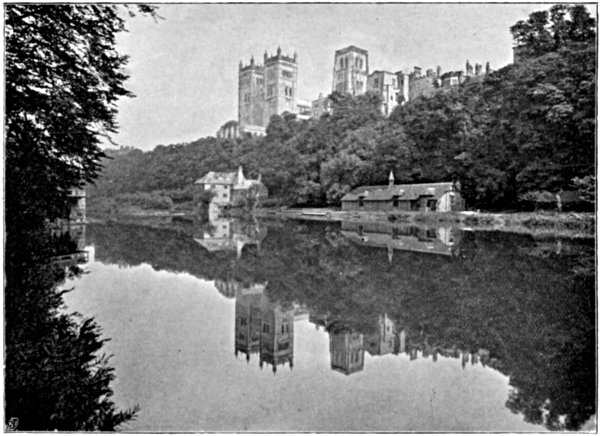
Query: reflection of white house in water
{"points": [[443, 240], [230, 234], [263, 327]]}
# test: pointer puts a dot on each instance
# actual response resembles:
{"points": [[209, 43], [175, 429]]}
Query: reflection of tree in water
{"points": [[533, 312], [55, 377]]}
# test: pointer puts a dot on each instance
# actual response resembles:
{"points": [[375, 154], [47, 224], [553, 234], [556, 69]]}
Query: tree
{"points": [[63, 79]]}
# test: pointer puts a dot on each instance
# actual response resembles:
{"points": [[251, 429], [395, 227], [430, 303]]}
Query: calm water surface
{"points": [[328, 327]]}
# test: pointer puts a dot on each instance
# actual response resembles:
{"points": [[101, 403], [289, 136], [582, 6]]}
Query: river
{"points": [[306, 326]]}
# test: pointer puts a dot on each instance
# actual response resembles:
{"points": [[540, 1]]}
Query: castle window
{"points": [[286, 73], [361, 64], [259, 82], [270, 89]]}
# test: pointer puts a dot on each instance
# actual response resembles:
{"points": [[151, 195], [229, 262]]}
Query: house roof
{"points": [[403, 192], [218, 178]]}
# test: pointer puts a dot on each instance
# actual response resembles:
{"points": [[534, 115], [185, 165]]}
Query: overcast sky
{"points": [[184, 68]]}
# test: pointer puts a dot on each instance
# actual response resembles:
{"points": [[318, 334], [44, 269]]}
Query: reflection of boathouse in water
{"points": [[263, 327], [231, 235], [443, 240]]}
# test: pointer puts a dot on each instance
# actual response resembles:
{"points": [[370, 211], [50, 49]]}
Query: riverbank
{"points": [[567, 223]]}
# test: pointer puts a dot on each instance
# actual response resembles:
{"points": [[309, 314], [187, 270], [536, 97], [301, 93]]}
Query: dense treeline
{"points": [[524, 132]]}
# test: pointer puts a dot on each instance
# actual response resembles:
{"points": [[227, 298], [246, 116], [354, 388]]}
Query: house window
{"points": [[376, 82], [243, 321], [270, 89], [361, 64], [395, 201], [259, 82], [266, 328], [286, 73], [361, 202], [282, 329]]}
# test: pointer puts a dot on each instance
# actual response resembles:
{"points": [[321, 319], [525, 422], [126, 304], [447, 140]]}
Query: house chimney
{"points": [[488, 70], [252, 60], [240, 175], [438, 71], [417, 72], [429, 73], [391, 180], [477, 69]]}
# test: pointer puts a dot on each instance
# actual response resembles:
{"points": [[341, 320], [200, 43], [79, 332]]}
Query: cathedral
{"points": [[266, 90]]}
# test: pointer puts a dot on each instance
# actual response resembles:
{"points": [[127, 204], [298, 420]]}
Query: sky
{"points": [[184, 68]]}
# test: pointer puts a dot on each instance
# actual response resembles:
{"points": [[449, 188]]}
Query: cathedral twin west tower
{"points": [[266, 90], [272, 88]]}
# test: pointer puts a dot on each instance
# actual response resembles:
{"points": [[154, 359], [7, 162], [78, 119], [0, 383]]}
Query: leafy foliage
{"points": [[63, 79], [528, 127], [56, 377]]}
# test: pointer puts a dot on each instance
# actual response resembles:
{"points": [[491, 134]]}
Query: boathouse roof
{"points": [[403, 192]]}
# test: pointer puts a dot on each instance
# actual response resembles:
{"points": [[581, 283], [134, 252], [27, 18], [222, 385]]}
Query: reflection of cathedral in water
{"points": [[347, 347], [263, 328], [230, 234], [443, 240]]}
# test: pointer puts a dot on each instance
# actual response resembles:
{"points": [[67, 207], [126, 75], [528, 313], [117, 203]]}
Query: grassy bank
{"points": [[567, 223]]}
